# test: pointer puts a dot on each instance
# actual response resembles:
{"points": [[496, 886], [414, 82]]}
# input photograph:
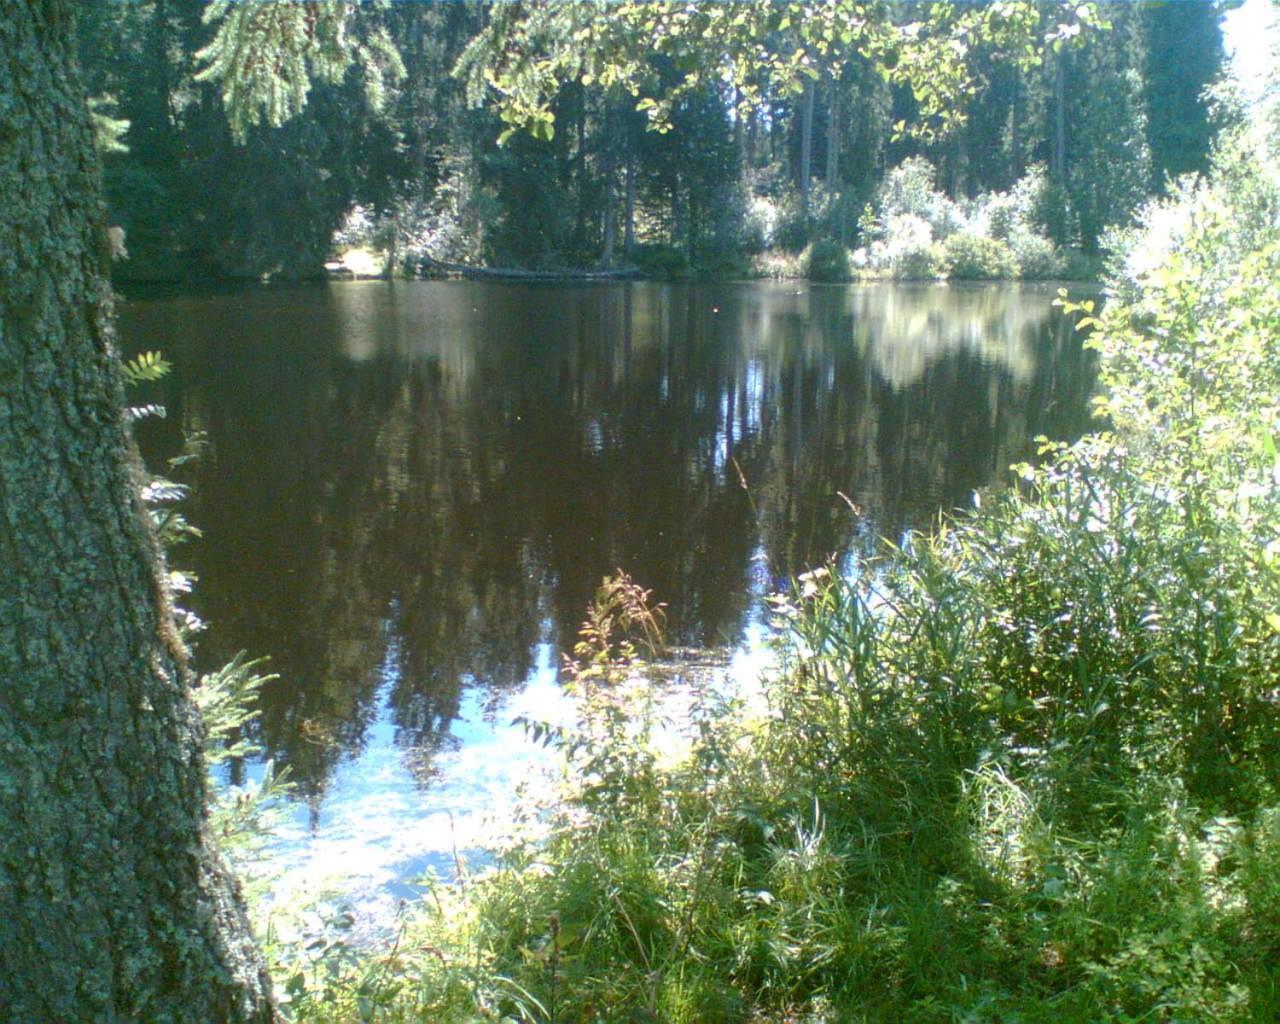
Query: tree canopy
{"points": [[678, 138]]}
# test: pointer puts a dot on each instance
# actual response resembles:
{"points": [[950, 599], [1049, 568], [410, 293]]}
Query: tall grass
{"points": [[1022, 768]]}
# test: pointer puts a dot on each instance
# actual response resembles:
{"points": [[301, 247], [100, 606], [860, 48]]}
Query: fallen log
{"points": [[436, 268]]}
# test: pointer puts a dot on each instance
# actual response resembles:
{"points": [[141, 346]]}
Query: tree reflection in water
{"points": [[410, 487]]}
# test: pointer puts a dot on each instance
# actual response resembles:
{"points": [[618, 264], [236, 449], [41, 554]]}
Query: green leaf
{"points": [[146, 367]]}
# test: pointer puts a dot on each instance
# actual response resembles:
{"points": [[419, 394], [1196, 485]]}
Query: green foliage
{"points": [[240, 816], [903, 247], [265, 56], [108, 131], [910, 189], [664, 262], [1184, 56], [966, 257], [828, 261], [374, 118], [149, 366], [915, 231], [1110, 168], [620, 617], [1038, 259], [525, 54]]}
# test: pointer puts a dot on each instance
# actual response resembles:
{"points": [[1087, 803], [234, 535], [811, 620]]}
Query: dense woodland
{"points": [[1048, 152]]}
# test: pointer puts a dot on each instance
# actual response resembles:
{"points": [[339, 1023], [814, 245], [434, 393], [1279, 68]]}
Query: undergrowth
{"points": [[1023, 767]]}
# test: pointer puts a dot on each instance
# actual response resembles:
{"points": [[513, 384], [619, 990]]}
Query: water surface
{"points": [[410, 491]]}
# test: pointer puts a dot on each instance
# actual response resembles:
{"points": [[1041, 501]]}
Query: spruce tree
{"points": [[115, 904]]}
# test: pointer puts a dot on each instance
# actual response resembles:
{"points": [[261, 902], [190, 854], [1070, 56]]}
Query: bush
{"points": [[664, 262], [1037, 258], [910, 189], [905, 249], [1081, 266], [916, 232], [967, 257], [827, 261], [792, 229], [777, 265]]}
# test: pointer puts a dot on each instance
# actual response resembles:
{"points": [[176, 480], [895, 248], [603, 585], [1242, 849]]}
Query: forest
{"points": [[402, 151], [785, 529]]}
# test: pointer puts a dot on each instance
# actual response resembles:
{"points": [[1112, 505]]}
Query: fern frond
{"points": [[145, 367]]}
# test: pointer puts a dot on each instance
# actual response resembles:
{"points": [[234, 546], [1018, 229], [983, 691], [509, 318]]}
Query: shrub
{"points": [[791, 228], [905, 250], [760, 223], [910, 188], [1079, 265], [974, 258], [828, 261], [666, 262], [777, 265], [915, 265], [1053, 214], [1037, 258], [998, 235]]}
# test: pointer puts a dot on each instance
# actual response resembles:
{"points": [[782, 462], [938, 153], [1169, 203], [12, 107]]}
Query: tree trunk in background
{"points": [[629, 229], [114, 903], [806, 146], [1059, 169], [679, 236], [1015, 144], [833, 140], [742, 141], [610, 173], [580, 167]]}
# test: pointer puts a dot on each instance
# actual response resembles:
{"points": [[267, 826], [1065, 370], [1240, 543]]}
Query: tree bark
{"points": [[679, 235], [806, 146], [833, 140], [1058, 171], [629, 228], [114, 902], [610, 174]]}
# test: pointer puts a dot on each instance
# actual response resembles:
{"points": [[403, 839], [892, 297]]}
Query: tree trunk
{"points": [[1058, 171], [610, 173], [678, 234], [629, 230], [1015, 142], [114, 903], [833, 140], [739, 135], [806, 147], [580, 168]]}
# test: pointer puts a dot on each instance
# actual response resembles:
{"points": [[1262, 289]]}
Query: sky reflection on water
{"points": [[410, 492]]}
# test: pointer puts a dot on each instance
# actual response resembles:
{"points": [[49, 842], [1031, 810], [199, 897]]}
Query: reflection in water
{"points": [[411, 489]]}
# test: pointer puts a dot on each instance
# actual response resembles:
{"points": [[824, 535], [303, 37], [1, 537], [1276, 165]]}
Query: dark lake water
{"points": [[410, 491]]}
